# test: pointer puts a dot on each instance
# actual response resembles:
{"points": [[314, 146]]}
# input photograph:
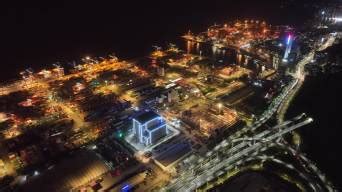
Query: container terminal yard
{"points": [[178, 119]]}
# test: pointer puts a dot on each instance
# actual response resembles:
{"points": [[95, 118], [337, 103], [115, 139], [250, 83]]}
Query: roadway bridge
{"points": [[225, 155], [197, 171]]}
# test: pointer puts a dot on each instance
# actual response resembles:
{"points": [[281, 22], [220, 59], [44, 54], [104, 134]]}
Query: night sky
{"points": [[40, 33], [37, 34]]}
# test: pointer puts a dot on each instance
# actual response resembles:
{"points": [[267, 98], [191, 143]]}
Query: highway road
{"points": [[309, 166], [204, 170], [198, 175], [261, 120], [224, 156], [300, 75]]}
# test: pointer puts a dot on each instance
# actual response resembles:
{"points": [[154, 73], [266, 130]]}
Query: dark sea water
{"points": [[321, 98], [39, 34]]}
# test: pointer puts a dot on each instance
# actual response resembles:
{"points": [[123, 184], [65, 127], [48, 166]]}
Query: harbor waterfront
{"points": [[322, 137], [160, 96]]}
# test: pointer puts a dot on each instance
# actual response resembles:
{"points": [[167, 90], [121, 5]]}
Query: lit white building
{"points": [[149, 127]]}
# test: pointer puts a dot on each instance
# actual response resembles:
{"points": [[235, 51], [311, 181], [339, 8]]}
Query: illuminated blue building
{"points": [[149, 127], [288, 47]]}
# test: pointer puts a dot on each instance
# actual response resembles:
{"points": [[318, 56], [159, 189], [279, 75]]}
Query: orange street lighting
{"points": [[219, 105]]}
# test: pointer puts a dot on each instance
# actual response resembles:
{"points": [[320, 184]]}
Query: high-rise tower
{"points": [[288, 48]]}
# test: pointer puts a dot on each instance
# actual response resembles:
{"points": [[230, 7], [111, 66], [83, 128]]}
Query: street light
{"points": [[36, 173], [219, 105]]}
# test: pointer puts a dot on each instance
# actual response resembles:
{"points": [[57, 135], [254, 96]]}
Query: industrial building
{"points": [[149, 127]]}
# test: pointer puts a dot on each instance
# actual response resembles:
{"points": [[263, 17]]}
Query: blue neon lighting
{"points": [[288, 48], [126, 188], [140, 129], [153, 120], [161, 126], [289, 39]]}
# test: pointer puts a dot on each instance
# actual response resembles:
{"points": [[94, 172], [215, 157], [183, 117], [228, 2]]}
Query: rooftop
{"points": [[158, 125], [147, 116], [174, 153]]}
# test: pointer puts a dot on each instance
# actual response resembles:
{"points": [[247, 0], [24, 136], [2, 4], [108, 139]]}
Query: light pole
{"points": [[219, 106], [200, 122]]}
